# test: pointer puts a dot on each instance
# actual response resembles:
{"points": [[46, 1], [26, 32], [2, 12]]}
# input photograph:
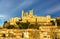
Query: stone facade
{"points": [[33, 18], [14, 20], [30, 17], [17, 33], [50, 32]]}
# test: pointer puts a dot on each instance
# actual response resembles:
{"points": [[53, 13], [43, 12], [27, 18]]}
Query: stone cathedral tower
{"points": [[31, 13], [22, 13]]}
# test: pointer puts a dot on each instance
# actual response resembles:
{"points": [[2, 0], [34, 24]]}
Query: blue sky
{"points": [[13, 8]]}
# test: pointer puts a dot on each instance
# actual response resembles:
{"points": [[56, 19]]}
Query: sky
{"points": [[13, 8]]}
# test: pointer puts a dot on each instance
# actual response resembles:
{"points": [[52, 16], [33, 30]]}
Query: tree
{"points": [[58, 22], [5, 21], [53, 23], [34, 26], [6, 24], [23, 25], [19, 24], [31, 26], [11, 27], [26, 25]]}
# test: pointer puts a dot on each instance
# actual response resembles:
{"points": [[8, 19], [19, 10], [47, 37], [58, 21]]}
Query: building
{"points": [[48, 32], [30, 17], [14, 20]]}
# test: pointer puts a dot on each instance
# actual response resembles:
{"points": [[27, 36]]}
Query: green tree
{"points": [[6, 24], [19, 25], [23, 25], [53, 23], [10, 27], [34, 26], [58, 22], [31, 26]]}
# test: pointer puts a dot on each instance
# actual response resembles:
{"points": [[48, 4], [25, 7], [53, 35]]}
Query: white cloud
{"points": [[3, 16]]}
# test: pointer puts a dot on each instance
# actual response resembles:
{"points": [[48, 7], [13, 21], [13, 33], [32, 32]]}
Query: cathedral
{"points": [[30, 17]]}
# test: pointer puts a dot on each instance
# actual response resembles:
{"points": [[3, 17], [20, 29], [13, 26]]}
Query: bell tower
{"points": [[22, 13], [31, 12]]}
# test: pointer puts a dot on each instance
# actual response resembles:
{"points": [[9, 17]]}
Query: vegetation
{"points": [[6, 24], [53, 23], [21, 25], [33, 26], [10, 27], [27, 25], [58, 22]]}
